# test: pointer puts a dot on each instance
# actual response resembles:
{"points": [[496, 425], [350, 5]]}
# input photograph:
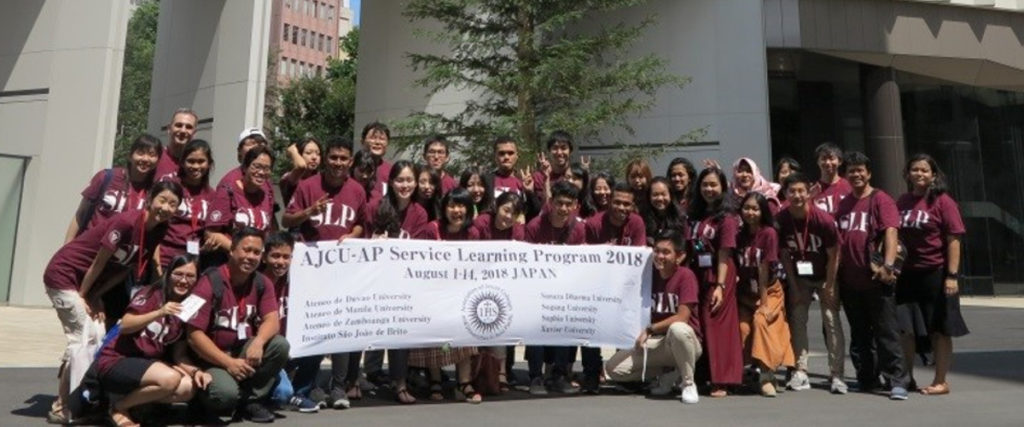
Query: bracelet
{"points": [[720, 285], [952, 275]]}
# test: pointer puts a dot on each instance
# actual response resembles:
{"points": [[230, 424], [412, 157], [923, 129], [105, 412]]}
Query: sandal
{"points": [[718, 392], [354, 392], [120, 419], [436, 391], [503, 383], [472, 396], [935, 390], [403, 396]]}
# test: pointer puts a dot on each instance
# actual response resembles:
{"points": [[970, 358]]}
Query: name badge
{"points": [[242, 327], [804, 268], [192, 247], [704, 260]]}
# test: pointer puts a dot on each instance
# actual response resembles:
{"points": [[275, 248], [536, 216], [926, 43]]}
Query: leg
{"points": [[221, 396], [682, 343], [908, 341], [464, 370], [306, 370], [72, 314], [834, 339], [535, 361], [184, 392], [882, 309], [592, 365], [942, 345], [860, 336], [261, 383], [625, 366], [800, 299], [158, 382], [373, 365], [398, 368]]}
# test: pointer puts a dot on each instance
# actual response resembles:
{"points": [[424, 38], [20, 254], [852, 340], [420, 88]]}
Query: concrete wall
{"points": [[212, 56], [60, 73], [719, 43]]}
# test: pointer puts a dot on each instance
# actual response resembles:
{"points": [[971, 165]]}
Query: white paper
{"points": [[804, 268], [190, 306], [192, 247], [704, 260]]}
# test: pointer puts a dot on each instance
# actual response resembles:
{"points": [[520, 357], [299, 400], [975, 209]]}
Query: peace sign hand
{"points": [[526, 175], [585, 162], [544, 165]]}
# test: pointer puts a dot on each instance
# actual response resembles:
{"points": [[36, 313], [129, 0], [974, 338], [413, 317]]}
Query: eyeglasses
{"points": [[437, 152], [177, 277], [259, 168]]}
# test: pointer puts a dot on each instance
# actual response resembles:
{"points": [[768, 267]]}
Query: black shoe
{"points": [[591, 384], [563, 386], [258, 413]]}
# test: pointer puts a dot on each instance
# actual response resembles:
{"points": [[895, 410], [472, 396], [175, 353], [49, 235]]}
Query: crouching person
{"points": [[671, 342], [133, 366], [235, 332]]}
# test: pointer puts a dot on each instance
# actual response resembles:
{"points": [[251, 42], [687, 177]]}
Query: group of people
{"points": [[737, 259]]}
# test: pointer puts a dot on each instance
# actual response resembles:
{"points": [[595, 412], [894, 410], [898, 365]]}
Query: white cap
{"points": [[250, 132]]}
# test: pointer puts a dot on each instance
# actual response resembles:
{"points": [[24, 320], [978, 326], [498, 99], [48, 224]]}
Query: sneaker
{"points": [[537, 387], [664, 383], [838, 386], [317, 395], [301, 404], [258, 413], [563, 386], [690, 395], [339, 399], [591, 384], [799, 381], [898, 393]]}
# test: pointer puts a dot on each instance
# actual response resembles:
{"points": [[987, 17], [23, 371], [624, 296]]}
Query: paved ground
{"points": [[987, 383]]}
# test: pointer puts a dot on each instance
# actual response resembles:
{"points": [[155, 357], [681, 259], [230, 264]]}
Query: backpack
{"points": [[86, 218]]}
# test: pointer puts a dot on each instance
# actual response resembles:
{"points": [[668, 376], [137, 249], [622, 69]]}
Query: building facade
{"points": [[305, 33], [775, 78]]}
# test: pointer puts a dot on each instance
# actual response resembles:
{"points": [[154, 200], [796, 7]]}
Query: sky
{"points": [[355, 4]]}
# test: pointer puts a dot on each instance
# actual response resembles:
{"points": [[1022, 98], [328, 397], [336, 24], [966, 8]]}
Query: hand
{"points": [[526, 175], [716, 298], [319, 207], [585, 162], [94, 308], [345, 236], [171, 308], [254, 354], [640, 340], [769, 315], [209, 245], [202, 379], [952, 287], [711, 163], [544, 166], [239, 369]]}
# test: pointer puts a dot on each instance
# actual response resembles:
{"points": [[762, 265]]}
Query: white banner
{"points": [[391, 293]]}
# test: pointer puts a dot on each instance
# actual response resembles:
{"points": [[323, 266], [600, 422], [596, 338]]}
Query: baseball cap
{"points": [[251, 133]]}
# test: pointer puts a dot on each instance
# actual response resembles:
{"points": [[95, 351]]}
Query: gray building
{"points": [[775, 78]]}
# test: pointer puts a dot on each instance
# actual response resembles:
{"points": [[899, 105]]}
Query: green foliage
{"points": [[533, 71], [319, 106], [136, 77]]}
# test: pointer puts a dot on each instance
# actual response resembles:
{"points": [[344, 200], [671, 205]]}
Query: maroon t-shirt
{"points": [[168, 166], [924, 227], [827, 196], [434, 231], [821, 233], [380, 186], [448, 184], [857, 229], [411, 220], [233, 208], [345, 208], [667, 294], [506, 183], [539, 181], [120, 196], [187, 223], [601, 231], [235, 175], [288, 186], [222, 323], [281, 290], [751, 251], [484, 224], [122, 235], [713, 233], [152, 342], [540, 230]]}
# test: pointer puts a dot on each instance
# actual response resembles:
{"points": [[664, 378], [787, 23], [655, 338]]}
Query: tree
{"points": [[136, 78], [533, 69], [320, 106]]}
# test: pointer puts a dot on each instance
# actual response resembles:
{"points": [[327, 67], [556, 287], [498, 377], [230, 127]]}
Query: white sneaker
{"points": [[838, 386], [664, 383], [799, 381], [689, 395]]}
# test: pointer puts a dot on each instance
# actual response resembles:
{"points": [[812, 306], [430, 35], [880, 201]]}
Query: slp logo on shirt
{"points": [[854, 221], [750, 257], [346, 216], [158, 332], [665, 303], [115, 201], [185, 209], [227, 318], [914, 219], [793, 243], [124, 254], [247, 217]]}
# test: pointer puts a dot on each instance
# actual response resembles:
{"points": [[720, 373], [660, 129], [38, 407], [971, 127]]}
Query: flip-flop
{"points": [[935, 390], [119, 419]]}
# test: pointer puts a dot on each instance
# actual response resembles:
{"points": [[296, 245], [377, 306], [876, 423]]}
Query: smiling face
{"points": [[660, 196], [679, 177], [404, 184], [248, 144], [784, 171], [144, 161], [339, 160], [376, 142], [602, 193], [711, 188], [744, 176], [182, 129], [921, 176], [197, 166], [258, 171], [425, 188], [859, 176], [182, 280], [163, 206], [436, 156], [504, 216], [751, 212], [475, 186], [311, 154], [456, 214], [245, 256], [278, 259], [621, 206], [561, 209], [666, 257], [560, 152], [574, 179], [828, 164], [797, 194]]}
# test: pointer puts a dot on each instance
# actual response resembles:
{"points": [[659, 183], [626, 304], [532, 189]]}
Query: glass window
{"points": [[295, 35], [302, 40], [330, 44], [287, 29], [283, 67]]}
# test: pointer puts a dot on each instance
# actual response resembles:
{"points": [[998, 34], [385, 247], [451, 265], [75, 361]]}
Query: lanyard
{"points": [[802, 244], [142, 261]]}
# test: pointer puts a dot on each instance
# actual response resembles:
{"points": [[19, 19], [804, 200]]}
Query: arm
{"points": [[298, 163], [722, 272], [206, 349], [296, 217], [216, 241], [132, 322], [270, 326], [186, 366], [952, 262], [98, 264], [660, 328], [74, 226], [830, 287]]}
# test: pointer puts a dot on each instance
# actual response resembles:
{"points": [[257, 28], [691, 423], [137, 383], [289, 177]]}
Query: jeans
{"points": [[537, 355], [874, 335]]}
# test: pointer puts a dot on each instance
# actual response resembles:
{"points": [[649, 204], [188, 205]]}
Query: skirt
{"points": [[923, 308], [767, 342], [437, 357], [722, 348]]}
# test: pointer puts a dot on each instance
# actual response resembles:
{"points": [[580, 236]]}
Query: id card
{"points": [[192, 247], [242, 327], [804, 268], [704, 260]]}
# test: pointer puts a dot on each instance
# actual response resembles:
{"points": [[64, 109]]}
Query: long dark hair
{"points": [[670, 219], [608, 179], [700, 208], [433, 204], [166, 283], [193, 146], [691, 172], [388, 219], [938, 186], [518, 205], [363, 160], [585, 202], [458, 196], [487, 201], [766, 220]]}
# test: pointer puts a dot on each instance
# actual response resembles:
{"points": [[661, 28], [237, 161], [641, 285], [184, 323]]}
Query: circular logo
{"points": [[486, 312], [115, 237], [215, 216]]}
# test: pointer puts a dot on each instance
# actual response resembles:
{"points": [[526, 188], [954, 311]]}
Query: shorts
{"points": [[125, 376]]}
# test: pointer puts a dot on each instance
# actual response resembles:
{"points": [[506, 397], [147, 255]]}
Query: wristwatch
{"points": [[952, 275], [650, 330], [889, 267]]}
